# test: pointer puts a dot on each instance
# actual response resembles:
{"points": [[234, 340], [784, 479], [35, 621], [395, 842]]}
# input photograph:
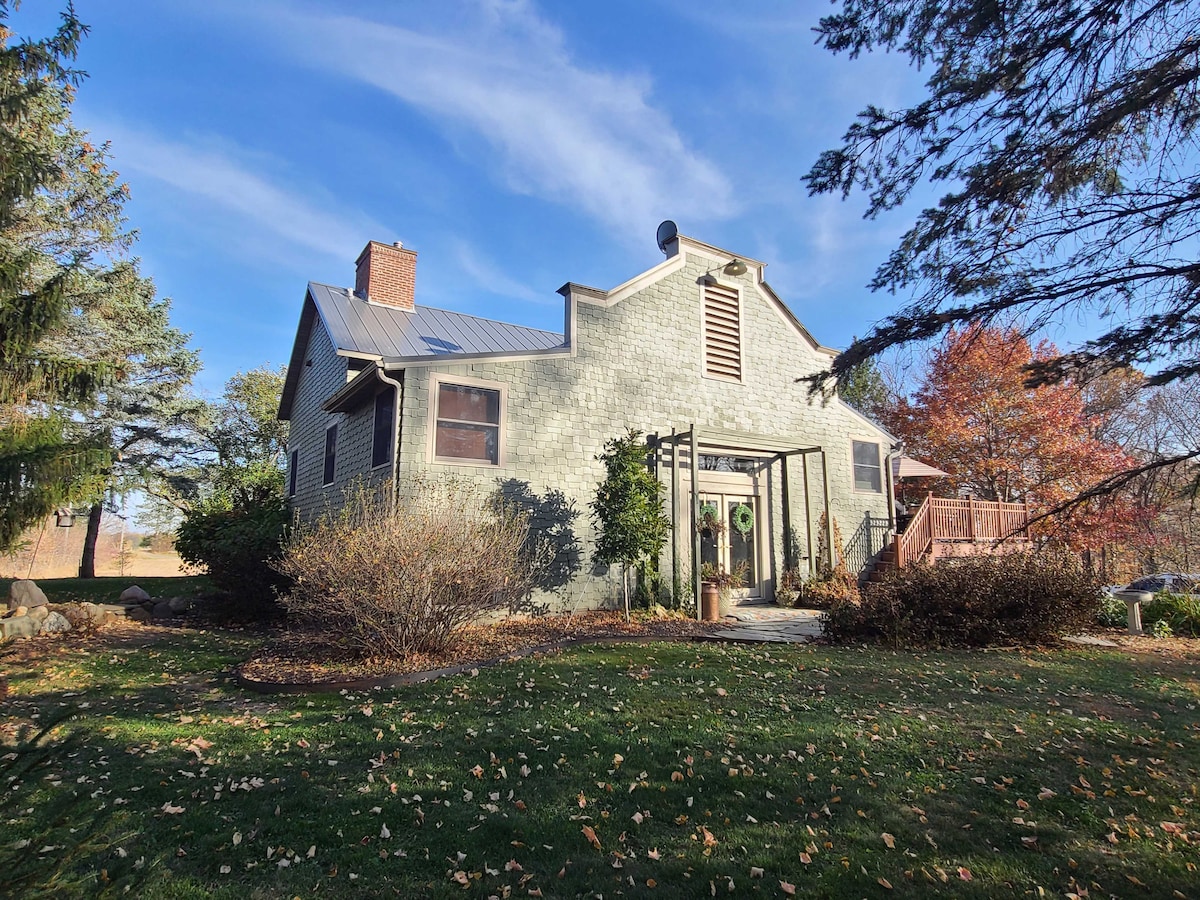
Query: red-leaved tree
{"points": [[974, 417]]}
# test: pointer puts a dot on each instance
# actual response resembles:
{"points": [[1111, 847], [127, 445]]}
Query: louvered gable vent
{"points": [[722, 332]]}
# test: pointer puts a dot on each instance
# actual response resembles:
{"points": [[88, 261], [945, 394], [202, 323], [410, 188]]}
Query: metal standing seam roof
{"points": [[374, 329]]}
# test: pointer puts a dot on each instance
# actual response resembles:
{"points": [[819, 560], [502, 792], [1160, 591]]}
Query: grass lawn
{"points": [[108, 589], [672, 770]]}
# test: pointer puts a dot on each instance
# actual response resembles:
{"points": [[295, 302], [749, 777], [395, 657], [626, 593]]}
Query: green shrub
{"points": [[1016, 599], [378, 577], [1179, 612], [237, 547], [1113, 612]]}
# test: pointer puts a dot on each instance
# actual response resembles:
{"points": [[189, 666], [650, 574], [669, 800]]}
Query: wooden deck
{"points": [[944, 528]]}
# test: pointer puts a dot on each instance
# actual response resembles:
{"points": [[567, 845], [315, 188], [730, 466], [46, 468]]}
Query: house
{"points": [[698, 352]]}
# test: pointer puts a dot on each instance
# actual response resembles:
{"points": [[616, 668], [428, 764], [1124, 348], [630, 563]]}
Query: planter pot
{"points": [[710, 606]]}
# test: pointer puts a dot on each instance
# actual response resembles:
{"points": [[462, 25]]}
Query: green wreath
{"points": [[742, 518]]}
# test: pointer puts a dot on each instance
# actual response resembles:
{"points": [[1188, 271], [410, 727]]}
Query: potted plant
{"points": [[788, 588], [710, 522], [717, 589]]}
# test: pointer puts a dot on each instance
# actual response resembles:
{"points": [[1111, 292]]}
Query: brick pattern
{"points": [[387, 274]]}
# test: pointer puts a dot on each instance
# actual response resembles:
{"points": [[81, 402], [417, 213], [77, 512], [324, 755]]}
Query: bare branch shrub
{"points": [[390, 577], [1025, 599]]}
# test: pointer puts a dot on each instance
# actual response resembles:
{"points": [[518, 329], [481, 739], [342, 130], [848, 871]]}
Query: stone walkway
{"points": [[766, 623]]}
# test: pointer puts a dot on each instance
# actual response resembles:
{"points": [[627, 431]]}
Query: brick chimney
{"points": [[387, 273]]}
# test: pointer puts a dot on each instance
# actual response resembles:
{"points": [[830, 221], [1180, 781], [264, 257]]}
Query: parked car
{"points": [[1174, 582]]}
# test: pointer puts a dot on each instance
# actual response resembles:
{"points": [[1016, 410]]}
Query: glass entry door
{"points": [[731, 540]]}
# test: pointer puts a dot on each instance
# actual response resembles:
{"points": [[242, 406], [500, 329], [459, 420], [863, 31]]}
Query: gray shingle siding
{"points": [[636, 364]]}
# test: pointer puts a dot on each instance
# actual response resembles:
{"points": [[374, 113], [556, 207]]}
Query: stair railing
{"points": [[917, 539]]}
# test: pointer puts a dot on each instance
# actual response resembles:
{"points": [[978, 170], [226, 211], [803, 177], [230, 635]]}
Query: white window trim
{"points": [[436, 380], [325, 455], [741, 294], [879, 455], [386, 464]]}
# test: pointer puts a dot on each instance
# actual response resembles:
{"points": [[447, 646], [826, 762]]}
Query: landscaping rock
{"points": [[56, 623], [18, 627], [139, 614], [39, 613], [134, 593], [162, 610], [19, 611], [24, 592], [108, 612], [179, 605]]}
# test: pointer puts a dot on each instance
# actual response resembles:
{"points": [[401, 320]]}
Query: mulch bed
{"points": [[292, 659]]}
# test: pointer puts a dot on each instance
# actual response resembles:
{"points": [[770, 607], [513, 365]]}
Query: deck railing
{"points": [[944, 521]]}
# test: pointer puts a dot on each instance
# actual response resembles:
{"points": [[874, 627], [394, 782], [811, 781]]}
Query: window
{"points": [[330, 453], [293, 464], [743, 464], [868, 473], [722, 332], [467, 423], [381, 434]]}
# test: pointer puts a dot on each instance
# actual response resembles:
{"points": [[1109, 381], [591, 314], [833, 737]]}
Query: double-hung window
{"points": [[467, 422], [868, 473]]}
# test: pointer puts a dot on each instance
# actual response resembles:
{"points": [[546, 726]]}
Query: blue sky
{"points": [[515, 145]]}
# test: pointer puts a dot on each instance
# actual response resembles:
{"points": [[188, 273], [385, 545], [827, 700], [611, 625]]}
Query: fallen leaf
{"points": [[889, 840], [787, 888], [590, 833]]}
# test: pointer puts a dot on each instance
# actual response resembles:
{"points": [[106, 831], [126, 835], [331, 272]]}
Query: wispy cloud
{"points": [[562, 131], [225, 180], [489, 276]]}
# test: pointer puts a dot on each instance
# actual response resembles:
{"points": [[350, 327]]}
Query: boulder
{"points": [[18, 627], [179, 605], [104, 613], [135, 594], [138, 614], [56, 623], [24, 592], [19, 611], [162, 610], [39, 613]]}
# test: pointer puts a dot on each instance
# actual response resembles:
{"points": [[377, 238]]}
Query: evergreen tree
{"points": [[144, 415], [1068, 135], [60, 217]]}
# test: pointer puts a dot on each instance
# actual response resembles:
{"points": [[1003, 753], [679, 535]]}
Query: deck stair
{"points": [[944, 528]]}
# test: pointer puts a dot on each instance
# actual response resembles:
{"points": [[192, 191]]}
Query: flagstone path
{"points": [[766, 623]]}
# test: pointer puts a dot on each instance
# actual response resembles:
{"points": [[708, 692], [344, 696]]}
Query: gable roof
{"points": [[360, 328], [366, 330]]}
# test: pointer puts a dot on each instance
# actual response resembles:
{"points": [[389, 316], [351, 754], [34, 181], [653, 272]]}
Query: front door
{"points": [[734, 545]]}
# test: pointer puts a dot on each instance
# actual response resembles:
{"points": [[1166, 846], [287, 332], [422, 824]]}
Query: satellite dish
{"points": [[667, 232]]}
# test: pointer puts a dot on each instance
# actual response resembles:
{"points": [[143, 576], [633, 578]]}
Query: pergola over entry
{"points": [[773, 448]]}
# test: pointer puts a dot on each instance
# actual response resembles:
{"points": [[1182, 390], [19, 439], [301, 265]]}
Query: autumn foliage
{"points": [[975, 417]]}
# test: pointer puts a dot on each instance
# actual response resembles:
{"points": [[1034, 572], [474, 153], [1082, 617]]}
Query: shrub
{"points": [[1179, 612], [1016, 599], [1113, 612], [237, 547], [831, 586], [384, 577]]}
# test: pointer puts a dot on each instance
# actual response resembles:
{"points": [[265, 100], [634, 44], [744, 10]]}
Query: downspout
{"points": [[895, 451], [397, 405]]}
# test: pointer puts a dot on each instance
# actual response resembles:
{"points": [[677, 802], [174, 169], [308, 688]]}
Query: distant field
{"points": [[52, 552]]}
